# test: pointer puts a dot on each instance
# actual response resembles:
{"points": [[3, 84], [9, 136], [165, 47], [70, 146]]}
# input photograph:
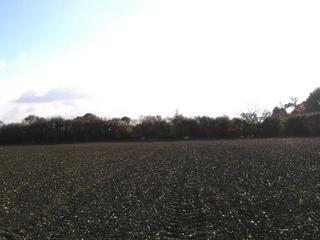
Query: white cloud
{"points": [[201, 57], [16, 114], [23, 60], [53, 95], [3, 64]]}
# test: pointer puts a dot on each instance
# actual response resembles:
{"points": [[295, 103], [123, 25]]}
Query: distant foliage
{"points": [[312, 104], [153, 127], [279, 112], [90, 128], [271, 127], [313, 123], [291, 119], [297, 125]]}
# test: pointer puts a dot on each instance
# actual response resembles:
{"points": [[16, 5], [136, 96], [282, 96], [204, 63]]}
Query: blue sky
{"points": [[141, 57], [41, 27]]}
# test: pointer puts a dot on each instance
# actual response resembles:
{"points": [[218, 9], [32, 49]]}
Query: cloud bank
{"points": [[54, 95], [3, 64]]}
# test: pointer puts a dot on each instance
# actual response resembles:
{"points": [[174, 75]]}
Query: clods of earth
{"points": [[237, 189]]}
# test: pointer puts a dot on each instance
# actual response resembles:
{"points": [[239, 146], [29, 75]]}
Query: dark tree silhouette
{"points": [[312, 104], [279, 112], [90, 128], [271, 127]]}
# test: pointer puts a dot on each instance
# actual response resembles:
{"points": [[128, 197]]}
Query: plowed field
{"points": [[246, 189]]}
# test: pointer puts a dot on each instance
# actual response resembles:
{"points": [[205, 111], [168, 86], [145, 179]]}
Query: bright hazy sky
{"points": [[147, 57]]}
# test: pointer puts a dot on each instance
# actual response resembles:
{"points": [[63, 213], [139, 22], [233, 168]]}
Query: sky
{"points": [[130, 58]]}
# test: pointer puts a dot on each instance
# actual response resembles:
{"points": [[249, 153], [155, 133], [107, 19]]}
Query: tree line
{"points": [[291, 119]]}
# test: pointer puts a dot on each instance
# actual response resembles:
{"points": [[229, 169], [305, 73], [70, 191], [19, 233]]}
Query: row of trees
{"points": [[91, 128], [291, 119]]}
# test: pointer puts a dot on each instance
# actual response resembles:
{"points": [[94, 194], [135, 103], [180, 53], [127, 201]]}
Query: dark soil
{"points": [[247, 189]]}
